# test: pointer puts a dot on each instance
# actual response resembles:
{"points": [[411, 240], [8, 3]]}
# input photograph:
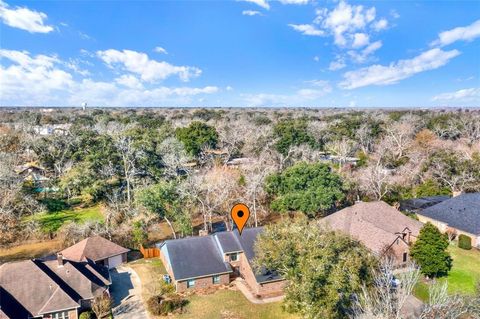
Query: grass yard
{"points": [[50, 222], [223, 304], [30, 250], [464, 274]]}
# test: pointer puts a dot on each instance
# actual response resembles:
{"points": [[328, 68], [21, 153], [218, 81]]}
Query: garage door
{"points": [[114, 261]]}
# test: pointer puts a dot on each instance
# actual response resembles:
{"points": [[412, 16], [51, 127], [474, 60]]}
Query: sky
{"points": [[305, 53]]}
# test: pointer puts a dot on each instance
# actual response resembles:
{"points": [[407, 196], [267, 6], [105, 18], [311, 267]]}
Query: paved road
{"points": [[126, 292]]}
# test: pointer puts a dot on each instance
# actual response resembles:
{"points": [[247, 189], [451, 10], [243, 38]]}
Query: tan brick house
{"points": [[206, 261], [379, 226]]}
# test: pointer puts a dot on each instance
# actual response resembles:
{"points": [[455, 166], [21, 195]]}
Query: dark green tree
{"points": [[197, 135], [291, 133], [309, 188], [324, 269], [430, 252]]}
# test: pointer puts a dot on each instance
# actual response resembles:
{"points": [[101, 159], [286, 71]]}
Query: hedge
{"points": [[464, 242]]}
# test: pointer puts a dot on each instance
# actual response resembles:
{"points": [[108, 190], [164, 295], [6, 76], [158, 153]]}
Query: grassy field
{"points": [[30, 250], [464, 274], [224, 304], [50, 222]]}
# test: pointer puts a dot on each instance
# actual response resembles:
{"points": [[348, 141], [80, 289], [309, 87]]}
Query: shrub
{"points": [[86, 315], [160, 305], [464, 242]]}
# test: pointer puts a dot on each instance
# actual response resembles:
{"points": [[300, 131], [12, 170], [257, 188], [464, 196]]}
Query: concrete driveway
{"points": [[126, 291]]}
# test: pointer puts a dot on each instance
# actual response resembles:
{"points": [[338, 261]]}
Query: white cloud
{"points": [[24, 18], [460, 95], [229, 88], [251, 13], [468, 33], [345, 20], [307, 29], [262, 3], [45, 80], [316, 58], [149, 70], [362, 56], [160, 50], [338, 64], [360, 40], [385, 75], [294, 1], [380, 25]]}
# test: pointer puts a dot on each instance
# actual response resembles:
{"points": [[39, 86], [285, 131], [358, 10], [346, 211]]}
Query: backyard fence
{"points": [[149, 252]]}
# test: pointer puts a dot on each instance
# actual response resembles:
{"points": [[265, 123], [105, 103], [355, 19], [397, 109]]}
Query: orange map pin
{"points": [[240, 214]]}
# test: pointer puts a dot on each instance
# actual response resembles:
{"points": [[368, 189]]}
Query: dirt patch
{"points": [[30, 250]]}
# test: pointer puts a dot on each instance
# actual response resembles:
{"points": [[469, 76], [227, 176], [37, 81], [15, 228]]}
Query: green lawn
{"points": [[464, 274], [231, 304], [50, 222]]}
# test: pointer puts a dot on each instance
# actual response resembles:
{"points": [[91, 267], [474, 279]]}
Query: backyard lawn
{"points": [[222, 304], [464, 274], [50, 222]]}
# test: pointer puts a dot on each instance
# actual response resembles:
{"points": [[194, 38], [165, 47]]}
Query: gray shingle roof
{"points": [[461, 212], [195, 257], [203, 256]]}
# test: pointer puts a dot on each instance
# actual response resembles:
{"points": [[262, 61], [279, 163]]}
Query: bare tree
{"points": [[441, 305], [174, 156], [375, 180], [102, 306], [342, 148], [389, 294]]}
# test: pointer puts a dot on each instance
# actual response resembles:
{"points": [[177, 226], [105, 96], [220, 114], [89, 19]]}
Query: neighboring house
{"points": [[206, 261], [414, 205], [97, 249], [49, 129], [54, 289], [379, 226], [34, 174], [460, 215]]}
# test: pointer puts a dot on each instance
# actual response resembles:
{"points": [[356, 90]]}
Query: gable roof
{"points": [[376, 224], [416, 204], [21, 279], [94, 248], [33, 287], [461, 212], [195, 257]]}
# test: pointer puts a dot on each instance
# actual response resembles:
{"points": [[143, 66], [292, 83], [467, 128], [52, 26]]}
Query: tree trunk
{"points": [[171, 227]]}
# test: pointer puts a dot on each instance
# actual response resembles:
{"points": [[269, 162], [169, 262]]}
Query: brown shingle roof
{"points": [[34, 287], [375, 224], [94, 248]]}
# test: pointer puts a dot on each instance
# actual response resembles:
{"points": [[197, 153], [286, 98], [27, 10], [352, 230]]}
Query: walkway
{"points": [[242, 286]]}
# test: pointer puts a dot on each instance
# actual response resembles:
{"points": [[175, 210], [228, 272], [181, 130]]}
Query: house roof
{"points": [[203, 256], [195, 257], [415, 204], [94, 248], [34, 287], [461, 212], [376, 224]]}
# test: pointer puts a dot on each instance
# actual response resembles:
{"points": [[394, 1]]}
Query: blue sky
{"points": [[240, 53]]}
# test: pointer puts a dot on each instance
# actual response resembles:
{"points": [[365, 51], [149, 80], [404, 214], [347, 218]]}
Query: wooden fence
{"points": [[149, 252]]}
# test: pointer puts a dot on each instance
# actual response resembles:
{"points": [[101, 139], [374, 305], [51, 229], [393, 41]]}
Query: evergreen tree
{"points": [[430, 252]]}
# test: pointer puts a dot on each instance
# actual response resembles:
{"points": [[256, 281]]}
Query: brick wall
{"points": [[203, 282], [262, 290]]}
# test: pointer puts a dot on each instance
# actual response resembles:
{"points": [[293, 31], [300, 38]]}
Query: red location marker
{"points": [[240, 214]]}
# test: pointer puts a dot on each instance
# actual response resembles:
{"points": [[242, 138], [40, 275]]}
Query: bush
{"points": [[464, 242], [86, 315], [159, 305]]}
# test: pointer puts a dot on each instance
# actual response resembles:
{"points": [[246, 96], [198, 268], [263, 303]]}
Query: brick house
{"points": [[207, 261], [458, 215], [53, 289], [379, 226]]}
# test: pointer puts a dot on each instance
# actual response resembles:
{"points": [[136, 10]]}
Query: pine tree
{"points": [[430, 252]]}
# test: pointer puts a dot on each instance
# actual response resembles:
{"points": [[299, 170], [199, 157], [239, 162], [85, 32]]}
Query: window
{"points": [[405, 257], [60, 315], [216, 280], [191, 283], [234, 257]]}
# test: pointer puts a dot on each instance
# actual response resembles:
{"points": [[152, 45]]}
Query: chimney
{"points": [[60, 259]]}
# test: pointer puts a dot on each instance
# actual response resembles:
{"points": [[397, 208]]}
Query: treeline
{"points": [[189, 166]]}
